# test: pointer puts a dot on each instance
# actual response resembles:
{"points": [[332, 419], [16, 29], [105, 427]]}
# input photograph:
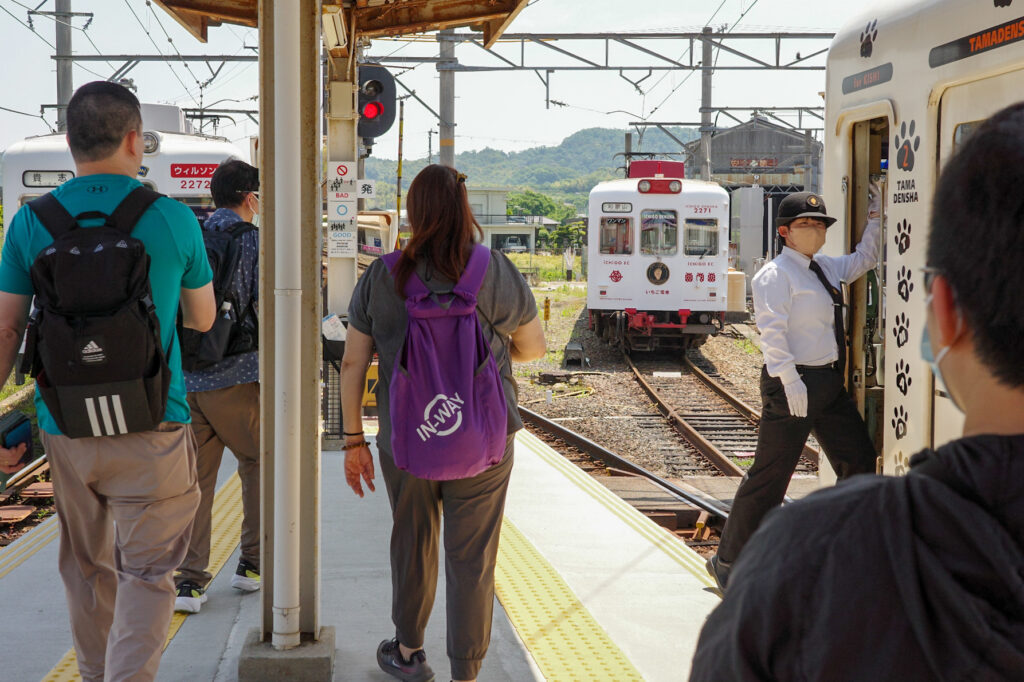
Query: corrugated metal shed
{"points": [[371, 17], [761, 153]]}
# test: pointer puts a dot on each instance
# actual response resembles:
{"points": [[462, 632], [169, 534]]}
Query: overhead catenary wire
{"points": [[157, 47], [25, 113]]}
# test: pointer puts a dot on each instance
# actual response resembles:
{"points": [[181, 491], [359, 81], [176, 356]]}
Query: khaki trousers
{"points": [[125, 506], [225, 417], [473, 509]]}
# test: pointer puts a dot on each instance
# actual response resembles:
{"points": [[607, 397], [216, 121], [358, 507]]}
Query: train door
{"points": [[961, 110], [869, 147]]}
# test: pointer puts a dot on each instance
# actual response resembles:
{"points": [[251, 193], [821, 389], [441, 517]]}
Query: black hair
{"points": [[99, 116], [232, 180], [977, 239]]}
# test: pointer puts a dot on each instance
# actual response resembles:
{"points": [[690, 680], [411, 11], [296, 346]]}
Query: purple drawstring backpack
{"points": [[449, 418]]}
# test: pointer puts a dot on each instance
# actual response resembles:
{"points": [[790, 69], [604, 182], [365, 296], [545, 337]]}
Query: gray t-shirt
{"points": [[504, 303]]}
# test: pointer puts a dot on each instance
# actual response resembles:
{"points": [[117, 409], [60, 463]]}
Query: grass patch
{"points": [[549, 268], [747, 346]]}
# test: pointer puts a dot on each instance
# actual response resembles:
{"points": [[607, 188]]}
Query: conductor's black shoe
{"points": [[719, 570], [416, 669]]}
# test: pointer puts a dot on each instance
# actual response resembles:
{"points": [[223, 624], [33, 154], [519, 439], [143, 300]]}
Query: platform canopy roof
{"points": [[372, 18]]}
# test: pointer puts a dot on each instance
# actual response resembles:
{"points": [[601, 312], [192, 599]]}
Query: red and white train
{"points": [[658, 250]]}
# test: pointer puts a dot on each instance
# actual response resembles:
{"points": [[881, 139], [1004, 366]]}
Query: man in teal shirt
{"points": [[118, 580]]}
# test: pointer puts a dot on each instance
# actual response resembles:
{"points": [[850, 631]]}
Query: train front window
{"points": [[616, 235], [701, 236], [659, 233], [201, 206]]}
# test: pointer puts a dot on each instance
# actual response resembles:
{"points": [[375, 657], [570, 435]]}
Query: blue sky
{"points": [[500, 110]]}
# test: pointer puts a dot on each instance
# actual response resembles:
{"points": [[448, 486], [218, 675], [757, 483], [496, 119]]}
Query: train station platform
{"points": [[587, 588]]}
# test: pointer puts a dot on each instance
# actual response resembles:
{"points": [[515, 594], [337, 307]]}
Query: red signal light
{"points": [[373, 110]]}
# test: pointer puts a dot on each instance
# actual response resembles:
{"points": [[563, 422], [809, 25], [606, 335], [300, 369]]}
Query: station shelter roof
{"points": [[372, 18]]}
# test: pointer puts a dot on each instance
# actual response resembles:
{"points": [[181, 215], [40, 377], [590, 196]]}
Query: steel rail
{"points": [[616, 461], [743, 408], [703, 445]]}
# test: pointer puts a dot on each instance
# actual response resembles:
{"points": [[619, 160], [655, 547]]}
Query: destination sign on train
{"points": [[46, 178]]}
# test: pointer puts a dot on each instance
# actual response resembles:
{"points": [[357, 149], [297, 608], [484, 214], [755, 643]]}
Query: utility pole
{"points": [[705, 106], [446, 138], [65, 87]]}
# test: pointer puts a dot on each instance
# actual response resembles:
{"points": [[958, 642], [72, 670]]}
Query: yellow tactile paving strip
{"points": [[563, 638], [227, 524], [658, 536], [15, 554]]}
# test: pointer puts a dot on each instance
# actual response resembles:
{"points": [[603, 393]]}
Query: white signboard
{"points": [[367, 188], [341, 211], [341, 243]]}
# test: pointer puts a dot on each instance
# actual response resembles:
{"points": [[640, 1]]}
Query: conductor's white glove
{"points": [[874, 200], [796, 396]]}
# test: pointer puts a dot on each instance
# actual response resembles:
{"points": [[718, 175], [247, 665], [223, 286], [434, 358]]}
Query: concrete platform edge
{"points": [[309, 662]]}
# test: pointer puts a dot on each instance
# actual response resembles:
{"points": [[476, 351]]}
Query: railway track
{"points": [[721, 426], [596, 456]]}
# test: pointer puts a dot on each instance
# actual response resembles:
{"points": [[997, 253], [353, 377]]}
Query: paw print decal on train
{"points": [[868, 38], [905, 149], [902, 464], [899, 421], [903, 284], [902, 236], [901, 330], [903, 379]]}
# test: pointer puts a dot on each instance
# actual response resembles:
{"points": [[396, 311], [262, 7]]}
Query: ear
{"points": [[130, 140], [948, 319], [784, 231]]}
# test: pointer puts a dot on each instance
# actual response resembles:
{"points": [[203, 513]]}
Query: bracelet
{"points": [[354, 433], [353, 446]]}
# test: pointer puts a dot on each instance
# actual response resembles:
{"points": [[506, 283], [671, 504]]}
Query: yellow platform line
{"points": [[17, 553], [226, 529], [561, 634], [665, 541]]}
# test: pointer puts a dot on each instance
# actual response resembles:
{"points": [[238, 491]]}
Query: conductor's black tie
{"points": [[837, 310]]}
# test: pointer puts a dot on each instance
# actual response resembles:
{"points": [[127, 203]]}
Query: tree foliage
{"points": [[565, 172]]}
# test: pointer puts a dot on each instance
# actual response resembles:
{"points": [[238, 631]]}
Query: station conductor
{"points": [[798, 309]]}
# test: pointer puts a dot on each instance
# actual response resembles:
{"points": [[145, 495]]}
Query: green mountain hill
{"points": [[566, 172]]}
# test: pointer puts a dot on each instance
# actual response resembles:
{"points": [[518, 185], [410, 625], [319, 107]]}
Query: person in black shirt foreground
{"points": [[919, 577]]}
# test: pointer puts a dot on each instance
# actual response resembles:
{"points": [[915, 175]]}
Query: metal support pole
{"points": [[65, 87], [447, 103], [287, 319], [705, 106]]}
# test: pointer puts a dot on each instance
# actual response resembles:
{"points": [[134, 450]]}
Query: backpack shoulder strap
{"points": [[473, 276], [238, 229], [131, 208], [414, 286], [52, 214]]}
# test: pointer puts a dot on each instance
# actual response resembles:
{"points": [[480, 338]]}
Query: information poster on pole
{"points": [[341, 240]]}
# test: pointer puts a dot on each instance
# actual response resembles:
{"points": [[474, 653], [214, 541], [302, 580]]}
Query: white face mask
{"points": [[933, 362], [256, 220]]}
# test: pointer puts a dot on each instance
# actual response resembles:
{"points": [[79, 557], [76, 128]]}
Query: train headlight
{"points": [[644, 186], [150, 142], [675, 186]]}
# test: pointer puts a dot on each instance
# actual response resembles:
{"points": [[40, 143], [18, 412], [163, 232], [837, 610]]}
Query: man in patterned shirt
{"points": [[225, 403]]}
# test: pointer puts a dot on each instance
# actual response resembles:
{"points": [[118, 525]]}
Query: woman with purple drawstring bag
{"points": [[446, 317]]}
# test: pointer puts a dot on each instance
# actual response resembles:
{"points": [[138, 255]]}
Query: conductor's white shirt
{"points": [[794, 312]]}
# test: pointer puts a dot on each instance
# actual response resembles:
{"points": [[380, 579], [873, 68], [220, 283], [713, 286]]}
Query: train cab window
{"points": [[659, 233], [616, 235], [963, 131], [701, 236], [201, 206]]}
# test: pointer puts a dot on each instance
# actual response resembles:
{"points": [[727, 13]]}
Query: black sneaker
{"points": [[190, 597], [246, 577], [719, 570], [416, 669]]}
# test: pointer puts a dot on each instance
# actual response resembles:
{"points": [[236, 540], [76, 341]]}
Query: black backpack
{"points": [[93, 339], [235, 331]]}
